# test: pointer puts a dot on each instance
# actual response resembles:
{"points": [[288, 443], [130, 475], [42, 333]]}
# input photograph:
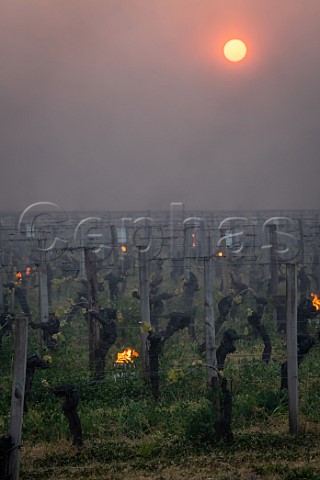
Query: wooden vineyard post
{"points": [[292, 348], [224, 261], [12, 306], [82, 262], [145, 308], [1, 290], [274, 269], [43, 291], [43, 287], [211, 358], [1, 273], [177, 240], [115, 251], [302, 242], [316, 252], [94, 328], [221, 396], [210, 339], [12, 302], [18, 387]]}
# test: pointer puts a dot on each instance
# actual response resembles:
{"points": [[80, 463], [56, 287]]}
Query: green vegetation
{"points": [[128, 435]]}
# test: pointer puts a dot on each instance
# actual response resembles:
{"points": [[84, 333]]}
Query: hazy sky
{"points": [[129, 104]]}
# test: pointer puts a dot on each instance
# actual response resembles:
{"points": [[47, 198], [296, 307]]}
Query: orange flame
{"points": [[220, 254], [315, 301], [18, 277], [127, 356], [123, 248]]}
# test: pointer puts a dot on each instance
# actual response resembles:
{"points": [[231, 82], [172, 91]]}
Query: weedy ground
{"points": [[253, 455]]}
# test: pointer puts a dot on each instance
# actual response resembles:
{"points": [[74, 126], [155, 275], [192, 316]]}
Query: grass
{"points": [[253, 455]]}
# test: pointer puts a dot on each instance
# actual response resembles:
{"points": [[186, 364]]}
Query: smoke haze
{"points": [[129, 104]]}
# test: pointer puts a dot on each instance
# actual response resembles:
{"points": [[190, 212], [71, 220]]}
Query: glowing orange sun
{"points": [[235, 50]]}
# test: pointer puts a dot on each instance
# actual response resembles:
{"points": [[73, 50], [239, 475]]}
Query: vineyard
{"points": [[159, 348]]}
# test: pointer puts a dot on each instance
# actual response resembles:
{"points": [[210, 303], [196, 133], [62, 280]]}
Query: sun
{"points": [[235, 50]]}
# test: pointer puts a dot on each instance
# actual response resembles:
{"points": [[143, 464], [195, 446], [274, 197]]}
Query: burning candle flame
{"points": [[315, 301], [220, 254], [18, 277], [127, 356]]}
